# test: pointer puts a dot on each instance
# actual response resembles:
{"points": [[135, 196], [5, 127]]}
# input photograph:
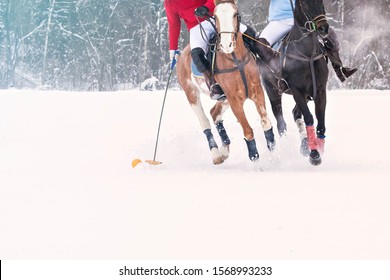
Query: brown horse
{"points": [[236, 72]]}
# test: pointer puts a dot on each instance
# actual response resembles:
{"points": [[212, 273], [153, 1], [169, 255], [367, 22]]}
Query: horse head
{"points": [[227, 23], [310, 15]]}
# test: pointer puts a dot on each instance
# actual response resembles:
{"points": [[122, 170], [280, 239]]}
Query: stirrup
{"points": [[216, 93], [283, 86]]}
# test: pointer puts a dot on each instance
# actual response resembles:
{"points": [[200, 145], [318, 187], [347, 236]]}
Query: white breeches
{"points": [[199, 41], [276, 29]]}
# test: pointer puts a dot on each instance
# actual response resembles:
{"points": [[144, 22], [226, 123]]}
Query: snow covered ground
{"points": [[68, 191]]}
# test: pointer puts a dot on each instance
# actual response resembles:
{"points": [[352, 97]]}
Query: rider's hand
{"points": [[202, 11], [173, 56]]}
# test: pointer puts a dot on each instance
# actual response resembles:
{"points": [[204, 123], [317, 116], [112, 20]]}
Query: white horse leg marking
{"points": [[301, 128], [225, 106], [265, 121], [197, 107]]}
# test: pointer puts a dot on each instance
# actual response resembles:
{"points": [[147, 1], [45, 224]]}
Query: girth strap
{"points": [[240, 66], [314, 56]]}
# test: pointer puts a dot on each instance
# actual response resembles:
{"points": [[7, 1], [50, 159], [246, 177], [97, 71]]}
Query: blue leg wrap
{"points": [[210, 139], [222, 133]]}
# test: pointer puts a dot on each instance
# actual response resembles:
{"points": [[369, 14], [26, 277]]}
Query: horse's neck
{"points": [[303, 41], [240, 49]]}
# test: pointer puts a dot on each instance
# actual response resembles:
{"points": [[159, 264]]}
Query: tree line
{"points": [[106, 45]]}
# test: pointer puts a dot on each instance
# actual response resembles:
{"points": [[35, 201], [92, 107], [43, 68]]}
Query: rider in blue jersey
{"points": [[281, 19]]}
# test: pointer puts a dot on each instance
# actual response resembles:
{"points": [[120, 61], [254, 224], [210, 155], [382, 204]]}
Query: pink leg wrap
{"points": [[321, 145], [311, 137]]}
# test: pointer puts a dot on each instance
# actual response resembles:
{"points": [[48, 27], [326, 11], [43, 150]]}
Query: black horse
{"points": [[303, 65]]}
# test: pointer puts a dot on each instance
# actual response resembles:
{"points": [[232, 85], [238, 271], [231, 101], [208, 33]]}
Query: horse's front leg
{"points": [[320, 107], [216, 113], [266, 124], [314, 155], [237, 106]]}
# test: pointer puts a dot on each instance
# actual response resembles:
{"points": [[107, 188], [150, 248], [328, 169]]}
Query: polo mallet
{"points": [[154, 162]]}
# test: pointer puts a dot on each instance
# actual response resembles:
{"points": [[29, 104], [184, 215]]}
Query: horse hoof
{"points": [[217, 156], [315, 158], [218, 160], [254, 157], [271, 145], [224, 151], [305, 151]]}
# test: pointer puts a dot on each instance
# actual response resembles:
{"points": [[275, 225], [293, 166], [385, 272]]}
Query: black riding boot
{"points": [[341, 71], [216, 91], [332, 46], [261, 48], [203, 66]]}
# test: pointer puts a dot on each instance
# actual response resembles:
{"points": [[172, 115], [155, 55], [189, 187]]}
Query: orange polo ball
{"points": [[135, 162]]}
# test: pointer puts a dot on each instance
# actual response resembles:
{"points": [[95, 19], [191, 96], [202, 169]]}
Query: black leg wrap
{"points": [[210, 139], [200, 60], [320, 132], [253, 153], [269, 136], [222, 133]]}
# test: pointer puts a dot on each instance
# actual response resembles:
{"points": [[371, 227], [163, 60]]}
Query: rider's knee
{"points": [[199, 58]]}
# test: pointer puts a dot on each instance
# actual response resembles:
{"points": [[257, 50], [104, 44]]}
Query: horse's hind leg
{"points": [[276, 105], [270, 84], [193, 90], [193, 87], [216, 113], [216, 154], [305, 151]]}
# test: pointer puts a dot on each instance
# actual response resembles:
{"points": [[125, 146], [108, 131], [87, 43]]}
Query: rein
{"points": [[239, 64], [310, 26]]}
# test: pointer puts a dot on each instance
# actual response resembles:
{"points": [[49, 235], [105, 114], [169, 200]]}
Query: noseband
{"points": [[312, 25]]}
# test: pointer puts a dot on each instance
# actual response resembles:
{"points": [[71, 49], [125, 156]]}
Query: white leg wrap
{"points": [[301, 128]]}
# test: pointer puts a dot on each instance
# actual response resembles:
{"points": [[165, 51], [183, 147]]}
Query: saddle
{"points": [[210, 56]]}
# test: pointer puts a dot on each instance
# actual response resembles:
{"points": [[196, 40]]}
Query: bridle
{"points": [[312, 24], [235, 32], [212, 21], [239, 64], [236, 15]]}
